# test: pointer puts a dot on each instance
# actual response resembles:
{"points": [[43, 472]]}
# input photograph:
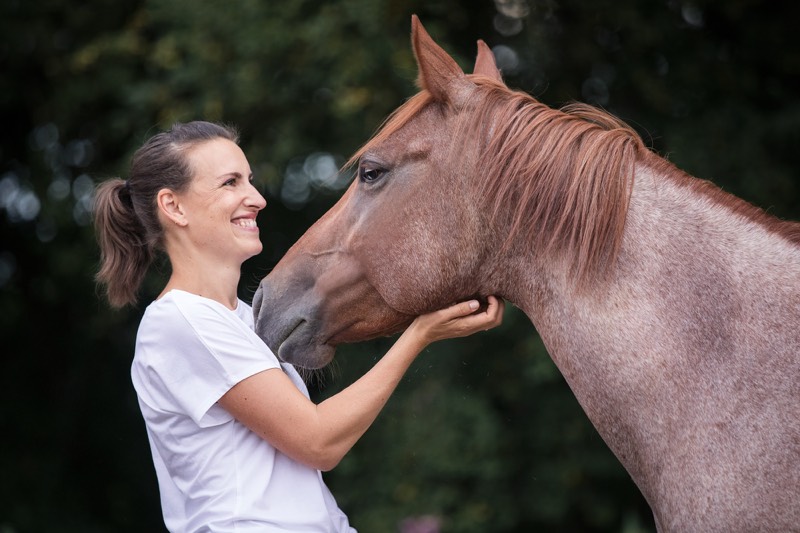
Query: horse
{"points": [[671, 307]]}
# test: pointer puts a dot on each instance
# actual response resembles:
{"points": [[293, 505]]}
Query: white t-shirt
{"points": [[214, 474]]}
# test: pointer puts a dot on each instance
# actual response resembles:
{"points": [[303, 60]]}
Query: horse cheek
{"points": [[421, 266]]}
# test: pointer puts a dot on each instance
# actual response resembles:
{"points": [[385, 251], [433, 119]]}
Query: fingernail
{"points": [[473, 304]]}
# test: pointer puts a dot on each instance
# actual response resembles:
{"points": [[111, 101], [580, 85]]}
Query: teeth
{"points": [[245, 222]]}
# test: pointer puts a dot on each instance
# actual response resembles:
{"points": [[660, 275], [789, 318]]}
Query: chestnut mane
{"points": [[567, 173]]}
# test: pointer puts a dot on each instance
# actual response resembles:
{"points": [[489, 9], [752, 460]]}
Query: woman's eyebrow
{"points": [[230, 175]]}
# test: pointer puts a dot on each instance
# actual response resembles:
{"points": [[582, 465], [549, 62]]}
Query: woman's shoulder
{"points": [[183, 305], [190, 339], [179, 317]]}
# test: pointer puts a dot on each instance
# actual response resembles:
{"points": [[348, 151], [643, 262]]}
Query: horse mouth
{"points": [[291, 335], [297, 329], [283, 338], [297, 345]]}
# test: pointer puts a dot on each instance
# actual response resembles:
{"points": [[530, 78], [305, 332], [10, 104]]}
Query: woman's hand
{"points": [[458, 320]]}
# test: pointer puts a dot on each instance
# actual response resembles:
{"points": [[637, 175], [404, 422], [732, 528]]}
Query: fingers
{"points": [[494, 311], [494, 308], [490, 318], [463, 317], [460, 309], [458, 320]]}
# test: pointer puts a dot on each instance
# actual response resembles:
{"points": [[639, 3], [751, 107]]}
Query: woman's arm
{"points": [[320, 435]]}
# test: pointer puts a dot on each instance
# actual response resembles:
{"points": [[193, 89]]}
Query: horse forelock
{"points": [[568, 175]]}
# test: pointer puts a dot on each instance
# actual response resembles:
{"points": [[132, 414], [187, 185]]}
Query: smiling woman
{"points": [[233, 433]]}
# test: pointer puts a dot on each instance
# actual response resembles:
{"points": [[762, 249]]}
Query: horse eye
{"points": [[369, 174]]}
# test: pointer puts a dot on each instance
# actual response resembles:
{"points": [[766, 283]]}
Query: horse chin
{"points": [[311, 359]]}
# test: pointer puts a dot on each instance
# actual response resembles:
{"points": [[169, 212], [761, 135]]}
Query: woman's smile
{"points": [[246, 222]]}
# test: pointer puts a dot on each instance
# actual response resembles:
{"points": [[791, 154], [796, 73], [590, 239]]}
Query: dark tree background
{"points": [[483, 435]]}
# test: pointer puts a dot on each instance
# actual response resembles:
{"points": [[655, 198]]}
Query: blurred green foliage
{"points": [[483, 435]]}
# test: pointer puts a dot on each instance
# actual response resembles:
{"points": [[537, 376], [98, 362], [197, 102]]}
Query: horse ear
{"points": [[485, 64], [438, 72]]}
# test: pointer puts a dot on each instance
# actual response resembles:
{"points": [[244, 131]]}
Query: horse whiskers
{"points": [[320, 376]]}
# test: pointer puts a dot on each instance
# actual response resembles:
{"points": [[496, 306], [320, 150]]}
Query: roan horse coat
{"points": [[671, 307]]}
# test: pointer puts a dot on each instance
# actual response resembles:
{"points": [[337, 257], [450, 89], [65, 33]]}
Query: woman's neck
{"points": [[219, 284], [202, 273]]}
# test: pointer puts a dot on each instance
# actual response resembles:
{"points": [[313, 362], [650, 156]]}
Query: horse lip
{"points": [[283, 338]]}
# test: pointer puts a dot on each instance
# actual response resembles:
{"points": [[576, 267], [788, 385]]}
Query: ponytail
{"points": [[125, 254]]}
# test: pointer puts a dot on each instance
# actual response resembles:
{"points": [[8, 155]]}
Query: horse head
{"points": [[405, 238]]}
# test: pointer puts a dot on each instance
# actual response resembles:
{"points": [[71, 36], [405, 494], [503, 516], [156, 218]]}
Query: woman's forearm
{"points": [[320, 435], [348, 414]]}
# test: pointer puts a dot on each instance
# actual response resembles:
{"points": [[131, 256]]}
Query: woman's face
{"points": [[221, 202]]}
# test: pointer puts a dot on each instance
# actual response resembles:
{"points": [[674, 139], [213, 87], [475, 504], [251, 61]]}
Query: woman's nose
{"points": [[255, 198]]}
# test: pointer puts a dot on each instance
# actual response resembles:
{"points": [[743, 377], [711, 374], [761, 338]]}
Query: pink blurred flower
{"points": [[421, 524]]}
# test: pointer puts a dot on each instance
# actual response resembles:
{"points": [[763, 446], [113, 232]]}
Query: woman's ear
{"points": [[170, 206]]}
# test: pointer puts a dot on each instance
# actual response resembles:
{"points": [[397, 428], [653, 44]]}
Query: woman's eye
{"points": [[231, 181], [370, 174]]}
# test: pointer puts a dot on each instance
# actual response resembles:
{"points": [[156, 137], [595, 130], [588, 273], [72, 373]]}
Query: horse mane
{"points": [[567, 175], [560, 177]]}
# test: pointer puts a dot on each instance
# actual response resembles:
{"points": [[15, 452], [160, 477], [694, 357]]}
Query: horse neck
{"points": [[681, 246], [645, 346]]}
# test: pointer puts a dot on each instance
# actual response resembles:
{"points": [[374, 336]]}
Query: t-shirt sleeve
{"points": [[194, 352]]}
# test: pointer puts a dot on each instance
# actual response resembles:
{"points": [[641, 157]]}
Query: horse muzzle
{"points": [[291, 327]]}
